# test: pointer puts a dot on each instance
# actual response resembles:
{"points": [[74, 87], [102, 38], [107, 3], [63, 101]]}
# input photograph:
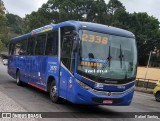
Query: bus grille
{"points": [[104, 93]]}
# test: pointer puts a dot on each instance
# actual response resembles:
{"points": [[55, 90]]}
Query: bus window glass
{"points": [[10, 48], [23, 47], [17, 48], [107, 56], [20, 47], [13, 49], [51, 45], [67, 45], [31, 46], [40, 44]]}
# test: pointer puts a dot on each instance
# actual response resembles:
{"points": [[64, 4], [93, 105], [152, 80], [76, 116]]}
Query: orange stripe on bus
{"points": [[37, 86]]}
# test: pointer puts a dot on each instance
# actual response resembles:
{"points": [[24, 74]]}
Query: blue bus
{"points": [[82, 62]]}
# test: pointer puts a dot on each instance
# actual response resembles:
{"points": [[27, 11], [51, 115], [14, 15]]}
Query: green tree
{"points": [[145, 28], [146, 31], [14, 22], [2, 48], [113, 7], [3, 27], [55, 11]]}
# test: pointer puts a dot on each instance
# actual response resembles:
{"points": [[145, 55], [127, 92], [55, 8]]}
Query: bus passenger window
{"points": [[31, 46], [20, 47], [23, 47], [52, 43], [11, 49], [40, 44]]}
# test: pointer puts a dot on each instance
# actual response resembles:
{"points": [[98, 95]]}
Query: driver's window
{"points": [[67, 45]]}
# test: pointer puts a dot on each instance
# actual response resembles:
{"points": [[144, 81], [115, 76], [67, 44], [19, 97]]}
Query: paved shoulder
{"points": [[9, 105]]}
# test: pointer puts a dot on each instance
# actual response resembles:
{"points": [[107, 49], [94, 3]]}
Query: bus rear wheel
{"points": [[18, 81], [52, 93], [157, 96]]}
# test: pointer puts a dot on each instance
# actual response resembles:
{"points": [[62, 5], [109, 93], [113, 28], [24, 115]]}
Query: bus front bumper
{"points": [[90, 97]]}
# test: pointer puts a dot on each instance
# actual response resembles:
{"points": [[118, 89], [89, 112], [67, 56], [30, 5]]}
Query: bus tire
{"points": [[18, 81], [52, 93], [157, 96]]}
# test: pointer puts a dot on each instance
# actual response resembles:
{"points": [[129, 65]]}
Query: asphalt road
{"points": [[34, 100]]}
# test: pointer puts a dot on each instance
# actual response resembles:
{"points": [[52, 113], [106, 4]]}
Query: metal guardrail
{"points": [[146, 83]]}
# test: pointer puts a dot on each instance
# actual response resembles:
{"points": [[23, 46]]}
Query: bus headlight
{"points": [[83, 85]]}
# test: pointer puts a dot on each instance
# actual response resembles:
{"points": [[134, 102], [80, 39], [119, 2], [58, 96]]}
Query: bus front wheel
{"points": [[18, 81], [52, 93]]}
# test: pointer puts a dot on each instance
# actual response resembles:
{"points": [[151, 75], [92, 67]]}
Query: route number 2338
{"points": [[93, 38]]}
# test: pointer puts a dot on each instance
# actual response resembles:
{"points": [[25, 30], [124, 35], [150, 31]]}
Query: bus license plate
{"points": [[107, 101]]}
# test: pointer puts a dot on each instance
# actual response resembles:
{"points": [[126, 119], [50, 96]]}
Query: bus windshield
{"points": [[107, 56]]}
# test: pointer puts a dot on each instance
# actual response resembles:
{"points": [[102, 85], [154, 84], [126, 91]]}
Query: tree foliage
{"points": [[14, 22], [55, 11], [113, 6], [145, 28], [3, 27]]}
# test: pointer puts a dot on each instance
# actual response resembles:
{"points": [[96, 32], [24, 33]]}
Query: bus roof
{"points": [[79, 25]]}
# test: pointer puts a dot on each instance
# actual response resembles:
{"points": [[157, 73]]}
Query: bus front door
{"points": [[66, 60]]}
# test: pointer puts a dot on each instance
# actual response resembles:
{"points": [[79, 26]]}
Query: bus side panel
{"points": [[30, 68], [40, 68], [40, 71], [64, 82], [20, 64], [52, 70], [16, 63], [27, 68], [11, 66]]}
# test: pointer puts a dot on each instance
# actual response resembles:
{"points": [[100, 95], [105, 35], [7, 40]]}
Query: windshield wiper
{"points": [[121, 56], [109, 57]]}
